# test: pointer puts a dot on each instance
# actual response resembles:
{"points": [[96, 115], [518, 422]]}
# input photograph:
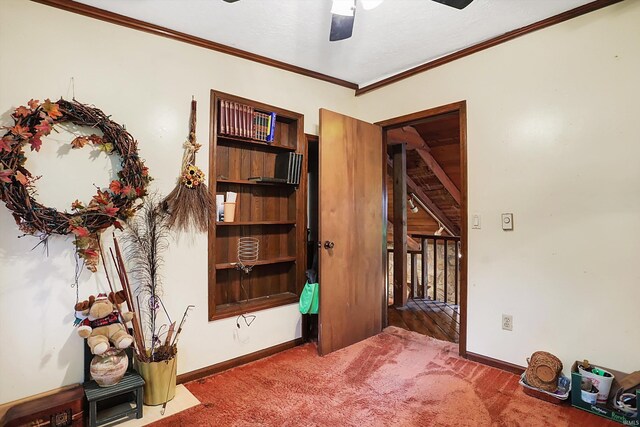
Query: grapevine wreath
{"points": [[105, 209]]}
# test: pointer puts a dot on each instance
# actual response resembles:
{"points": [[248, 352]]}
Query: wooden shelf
{"points": [[272, 212], [226, 139], [228, 265], [251, 182], [256, 304], [223, 224]]}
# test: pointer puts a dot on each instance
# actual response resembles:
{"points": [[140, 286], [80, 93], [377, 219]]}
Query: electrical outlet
{"points": [[507, 322]]}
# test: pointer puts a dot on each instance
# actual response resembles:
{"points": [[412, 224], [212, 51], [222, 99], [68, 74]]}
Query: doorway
{"points": [[430, 147]]}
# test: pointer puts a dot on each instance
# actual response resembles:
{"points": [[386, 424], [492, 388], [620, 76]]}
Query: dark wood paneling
{"points": [[570, 14], [417, 223], [125, 21], [399, 153], [232, 363], [273, 213]]}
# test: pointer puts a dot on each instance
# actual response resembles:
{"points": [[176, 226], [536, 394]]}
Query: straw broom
{"points": [[190, 203]]}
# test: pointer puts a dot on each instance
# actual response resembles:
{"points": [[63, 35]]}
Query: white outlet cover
{"points": [[507, 322]]}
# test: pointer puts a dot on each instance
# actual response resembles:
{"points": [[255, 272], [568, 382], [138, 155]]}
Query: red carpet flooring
{"points": [[397, 378]]}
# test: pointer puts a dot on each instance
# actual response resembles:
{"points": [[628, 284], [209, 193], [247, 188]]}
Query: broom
{"points": [[189, 204]]}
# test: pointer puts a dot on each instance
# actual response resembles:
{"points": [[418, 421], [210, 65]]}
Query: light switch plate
{"points": [[475, 221], [507, 221]]}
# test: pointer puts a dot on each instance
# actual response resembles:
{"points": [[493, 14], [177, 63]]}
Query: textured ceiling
{"points": [[396, 36]]}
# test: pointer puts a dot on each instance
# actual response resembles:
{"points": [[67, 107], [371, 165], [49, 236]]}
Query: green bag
{"points": [[309, 299]]}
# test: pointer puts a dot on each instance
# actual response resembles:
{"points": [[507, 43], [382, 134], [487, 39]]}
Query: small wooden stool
{"points": [[131, 382]]}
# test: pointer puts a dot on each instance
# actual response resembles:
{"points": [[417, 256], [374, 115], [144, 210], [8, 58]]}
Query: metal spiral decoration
{"points": [[248, 249]]}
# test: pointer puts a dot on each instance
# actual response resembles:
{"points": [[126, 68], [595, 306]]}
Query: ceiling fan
{"points": [[343, 13]]}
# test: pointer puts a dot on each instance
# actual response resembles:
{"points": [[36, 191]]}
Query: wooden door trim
{"points": [[407, 120]]}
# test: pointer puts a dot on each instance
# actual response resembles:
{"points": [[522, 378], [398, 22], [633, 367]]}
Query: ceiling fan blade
{"points": [[341, 27], [458, 4]]}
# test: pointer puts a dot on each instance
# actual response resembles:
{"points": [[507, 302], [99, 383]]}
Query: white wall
{"points": [[553, 137], [145, 82]]}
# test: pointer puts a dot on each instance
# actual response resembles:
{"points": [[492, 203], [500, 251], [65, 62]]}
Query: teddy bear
{"points": [[103, 324]]}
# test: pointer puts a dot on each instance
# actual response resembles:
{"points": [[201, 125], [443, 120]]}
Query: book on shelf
{"points": [[270, 179], [288, 167], [236, 119], [271, 127]]}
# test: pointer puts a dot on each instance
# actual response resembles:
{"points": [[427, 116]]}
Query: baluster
{"points": [[456, 271], [415, 289], [446, 268], [425, 272], [435, 270]]}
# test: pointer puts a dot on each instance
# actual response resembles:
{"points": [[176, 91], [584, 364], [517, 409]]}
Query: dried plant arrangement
{"points": [[189, 204], [107, 208], [145, 240]]}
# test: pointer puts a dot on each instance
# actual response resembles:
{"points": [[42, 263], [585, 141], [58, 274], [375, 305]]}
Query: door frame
{"points": [[400, 121]]}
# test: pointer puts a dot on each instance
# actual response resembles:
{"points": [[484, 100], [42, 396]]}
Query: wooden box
{"points": [[59, 409]]}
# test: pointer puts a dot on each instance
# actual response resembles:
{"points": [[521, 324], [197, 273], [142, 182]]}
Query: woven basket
{"points": [[543, 371]]}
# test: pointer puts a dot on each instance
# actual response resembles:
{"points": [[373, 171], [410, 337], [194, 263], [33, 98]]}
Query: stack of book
{"points": [[243, 121], [288, 167]]}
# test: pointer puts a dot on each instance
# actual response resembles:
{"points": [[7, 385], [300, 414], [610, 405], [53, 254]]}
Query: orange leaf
{"points": [[33, 104], [129, 191], [110, 209], [51, 108], [95, 139], [21, 178], [5, 143], [21, 132], [5, 175], [80, 231], [79, 142], [115, 187], [35, 142], [76, 205], [44, 127], [21, 112], [90, 253], [102, 197]]}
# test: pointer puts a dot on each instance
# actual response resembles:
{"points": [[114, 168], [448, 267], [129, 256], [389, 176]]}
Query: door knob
{"points": [[328, 244]]}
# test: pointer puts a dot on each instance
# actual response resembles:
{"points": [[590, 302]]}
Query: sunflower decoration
{"points": [[189, 204], [192, 177]]}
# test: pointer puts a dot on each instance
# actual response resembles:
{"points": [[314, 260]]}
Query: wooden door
{"points": [[352, 220]]}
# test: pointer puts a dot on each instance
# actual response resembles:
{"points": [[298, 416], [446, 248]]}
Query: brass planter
{"points": [[159, 380]]}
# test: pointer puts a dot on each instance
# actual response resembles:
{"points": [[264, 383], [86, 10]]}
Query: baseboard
{"points": [[232, 363], [500, 364]]}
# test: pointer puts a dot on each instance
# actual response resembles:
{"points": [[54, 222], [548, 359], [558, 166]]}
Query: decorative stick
{"points": [[124, 281], [170, 333], [184, 317]]}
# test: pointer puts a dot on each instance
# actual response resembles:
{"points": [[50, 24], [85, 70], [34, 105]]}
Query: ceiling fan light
{"points": [[343, 7], [370, 4]]}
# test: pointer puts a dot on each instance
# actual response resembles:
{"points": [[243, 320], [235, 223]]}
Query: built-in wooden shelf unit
{"points": [[274, 213]]}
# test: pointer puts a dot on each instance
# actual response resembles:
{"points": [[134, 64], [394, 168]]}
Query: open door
{"points": [[352, 231]]}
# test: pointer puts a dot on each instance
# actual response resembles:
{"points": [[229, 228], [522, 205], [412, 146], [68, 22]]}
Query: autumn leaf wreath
{"points": [[109, 205]]}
